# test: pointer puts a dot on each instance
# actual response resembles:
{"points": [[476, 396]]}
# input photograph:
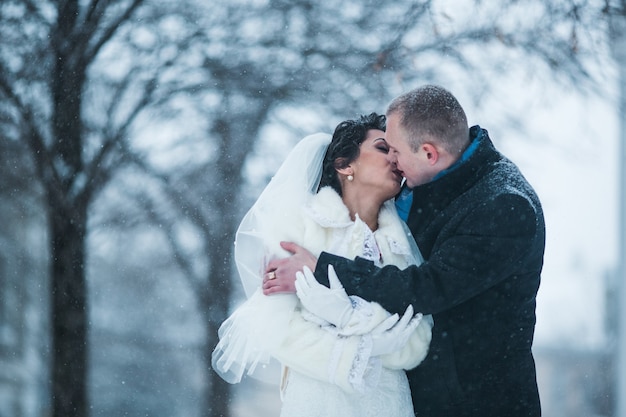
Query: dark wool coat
{"points": [[481, 230]]}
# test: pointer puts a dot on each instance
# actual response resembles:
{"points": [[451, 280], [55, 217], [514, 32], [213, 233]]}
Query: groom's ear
{"points": [[431, 152]]}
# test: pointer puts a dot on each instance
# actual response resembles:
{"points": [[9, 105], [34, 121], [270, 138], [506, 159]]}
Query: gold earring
{"points": [[350, 177]]}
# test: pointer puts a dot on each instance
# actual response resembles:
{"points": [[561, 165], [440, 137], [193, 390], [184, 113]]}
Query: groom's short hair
{"points": [[432, 114]]}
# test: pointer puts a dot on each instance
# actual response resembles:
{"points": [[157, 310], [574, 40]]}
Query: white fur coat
{"points": [[276, 326]]}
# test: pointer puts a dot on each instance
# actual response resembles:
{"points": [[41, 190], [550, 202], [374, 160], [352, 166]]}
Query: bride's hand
{"points": [[331, 304], [392, 334], [280, 275]]}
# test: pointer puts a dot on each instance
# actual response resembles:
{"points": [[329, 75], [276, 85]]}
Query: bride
{"points": [[341, 358]]}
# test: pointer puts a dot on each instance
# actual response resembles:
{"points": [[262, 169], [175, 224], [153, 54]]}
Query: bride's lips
{"points": [[398, 175]]}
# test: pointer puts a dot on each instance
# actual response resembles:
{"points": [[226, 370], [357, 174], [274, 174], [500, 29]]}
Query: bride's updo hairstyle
{"points": [[345, 146]]}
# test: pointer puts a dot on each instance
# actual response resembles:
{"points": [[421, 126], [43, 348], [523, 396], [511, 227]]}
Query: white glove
{"points": [[392, 334], [331, 304]]}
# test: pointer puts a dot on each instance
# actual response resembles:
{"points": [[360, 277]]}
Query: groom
{"points": [[480, 228]]}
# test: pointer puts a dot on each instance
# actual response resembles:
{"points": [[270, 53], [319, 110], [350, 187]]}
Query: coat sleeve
{"points": [[488, 245], [346, 361]]}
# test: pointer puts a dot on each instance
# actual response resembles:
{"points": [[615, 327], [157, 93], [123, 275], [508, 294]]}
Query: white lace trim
{"points": [[365, 371], [370, 249]]}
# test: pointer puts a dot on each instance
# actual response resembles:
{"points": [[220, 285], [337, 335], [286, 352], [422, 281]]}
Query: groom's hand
{"points": [[280, 275]]}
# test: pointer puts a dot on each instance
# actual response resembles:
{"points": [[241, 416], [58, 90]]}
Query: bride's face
{"points": [[372, 169]]}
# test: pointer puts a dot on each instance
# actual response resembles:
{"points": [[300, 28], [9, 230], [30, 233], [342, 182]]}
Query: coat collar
{"points": [[326, 208], [464, 176]]}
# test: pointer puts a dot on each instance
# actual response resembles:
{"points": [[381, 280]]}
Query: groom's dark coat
{"points": [[481, 231]]}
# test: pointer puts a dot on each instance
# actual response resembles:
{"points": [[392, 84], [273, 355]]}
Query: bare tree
{"points": [[74, 118]]}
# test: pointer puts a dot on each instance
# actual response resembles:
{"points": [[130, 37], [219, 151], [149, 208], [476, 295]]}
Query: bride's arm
{"points": [[318, 353], [324, 354], [321, 353], [356, 316]]}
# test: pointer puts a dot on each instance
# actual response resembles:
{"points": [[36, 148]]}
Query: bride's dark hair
{"points": [[345, 146]]}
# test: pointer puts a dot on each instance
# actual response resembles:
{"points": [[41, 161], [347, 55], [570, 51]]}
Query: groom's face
{"points": [[412, 165]]}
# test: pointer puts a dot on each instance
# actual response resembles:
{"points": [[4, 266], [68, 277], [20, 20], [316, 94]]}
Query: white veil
{"points": [[247, 336], [279, 204]]}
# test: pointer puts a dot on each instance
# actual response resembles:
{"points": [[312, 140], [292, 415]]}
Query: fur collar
{"points": [[326, 208]]}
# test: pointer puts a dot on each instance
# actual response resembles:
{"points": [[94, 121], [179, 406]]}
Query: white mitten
{"points": [[392, 334], [331, 304]]}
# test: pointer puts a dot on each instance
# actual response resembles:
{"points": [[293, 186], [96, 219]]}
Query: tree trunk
{"points": [[68, 218], [218, 393], [217, 295], [68, 310]]}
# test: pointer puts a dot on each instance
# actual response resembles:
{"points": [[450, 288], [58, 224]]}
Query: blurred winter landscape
{"points": [[119, 196]]}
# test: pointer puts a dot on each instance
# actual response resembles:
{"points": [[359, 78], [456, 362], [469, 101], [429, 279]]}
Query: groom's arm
{"points": [[489, 246], [359, 277], [362, 278]]}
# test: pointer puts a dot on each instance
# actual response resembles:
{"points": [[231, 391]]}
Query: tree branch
{"points": [[110, 30]]}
